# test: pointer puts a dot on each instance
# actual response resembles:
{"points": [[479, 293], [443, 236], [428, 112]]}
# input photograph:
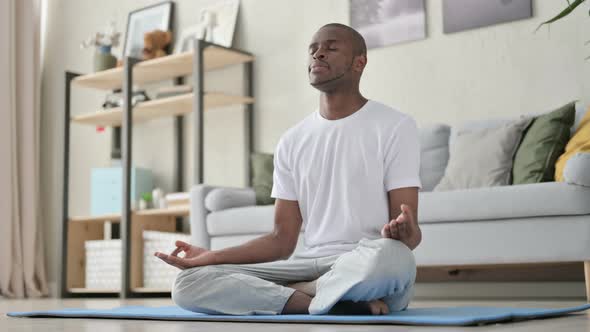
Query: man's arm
{"points": [[279, 244], [403, 215]]}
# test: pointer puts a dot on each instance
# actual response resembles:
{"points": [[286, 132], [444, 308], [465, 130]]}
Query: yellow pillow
{"points": [[580, 142]]}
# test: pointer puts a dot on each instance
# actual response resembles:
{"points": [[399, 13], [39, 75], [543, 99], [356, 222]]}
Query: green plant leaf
{"points": [[563, 13], [147, 196]]}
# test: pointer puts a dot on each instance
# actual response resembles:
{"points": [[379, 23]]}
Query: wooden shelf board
{"points": [[93, 290], [167, 67], [107, 217], [181, 211], [150, 290], [158, 108], [177, 211]]}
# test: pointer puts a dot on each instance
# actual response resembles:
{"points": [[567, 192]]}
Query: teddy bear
{"points": [[154, 44]]}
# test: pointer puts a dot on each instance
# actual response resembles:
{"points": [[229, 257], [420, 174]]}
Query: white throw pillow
{"points": [[483, 158], [434, 154]]}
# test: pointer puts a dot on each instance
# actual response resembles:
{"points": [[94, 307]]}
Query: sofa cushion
{"points": [[542, 144], [434, 154], [581, 111], [505, 202], [580, 142], [479, 124], [482, 158], [520, 240], [242, 220], [262, 169], [222, 198], [577, 170]]}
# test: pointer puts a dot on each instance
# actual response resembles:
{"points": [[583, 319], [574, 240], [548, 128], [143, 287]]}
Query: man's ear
{"points": [[360, 61]]}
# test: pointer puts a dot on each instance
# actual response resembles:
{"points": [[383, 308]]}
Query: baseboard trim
{"points": [[500, 290]]}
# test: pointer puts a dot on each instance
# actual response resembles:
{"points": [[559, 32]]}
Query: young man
{"points": [[349, 173]]}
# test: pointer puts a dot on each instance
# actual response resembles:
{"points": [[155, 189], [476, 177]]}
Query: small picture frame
{"points": [[216, 24], [140, 21], [183, 41]]}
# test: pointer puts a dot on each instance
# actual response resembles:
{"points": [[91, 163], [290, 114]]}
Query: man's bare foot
{"points": [[375, 307], [378, 307], [306, 287], [298, 303]]}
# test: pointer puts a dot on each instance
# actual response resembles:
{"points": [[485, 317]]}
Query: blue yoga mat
{"points": [[417, 316]]}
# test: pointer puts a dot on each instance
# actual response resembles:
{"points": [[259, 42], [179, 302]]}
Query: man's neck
{"points": [[338, 105]]}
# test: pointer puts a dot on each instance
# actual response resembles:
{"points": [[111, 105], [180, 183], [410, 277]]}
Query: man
{"points": [[349, 174]]}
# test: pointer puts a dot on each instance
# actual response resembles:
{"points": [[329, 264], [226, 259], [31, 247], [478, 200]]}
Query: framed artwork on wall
{"points": [[460, 15], [388, 22]]}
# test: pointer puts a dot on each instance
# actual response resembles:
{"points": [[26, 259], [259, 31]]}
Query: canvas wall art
{"points": [[388, 22]]}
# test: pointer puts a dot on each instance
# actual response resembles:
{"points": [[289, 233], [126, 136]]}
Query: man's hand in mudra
{"points": [[193, 256], [404, 228]]}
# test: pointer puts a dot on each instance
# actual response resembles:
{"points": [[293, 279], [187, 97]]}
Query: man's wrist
{"points": [[211, 258], [416, 241]]}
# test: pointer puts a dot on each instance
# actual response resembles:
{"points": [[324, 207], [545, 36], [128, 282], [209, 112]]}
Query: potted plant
{"points": [[145, 200], [104, 42]]}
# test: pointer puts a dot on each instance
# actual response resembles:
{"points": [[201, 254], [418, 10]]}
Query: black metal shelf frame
{"points": [[199, 47]]}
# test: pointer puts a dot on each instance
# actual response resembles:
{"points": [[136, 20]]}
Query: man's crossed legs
{"points": [[382, 269]]}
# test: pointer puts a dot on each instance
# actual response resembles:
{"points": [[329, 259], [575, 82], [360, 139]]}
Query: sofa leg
{"points": [[587, 277]]}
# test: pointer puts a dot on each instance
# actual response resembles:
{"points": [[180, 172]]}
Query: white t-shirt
{"points": [[340, 171]]}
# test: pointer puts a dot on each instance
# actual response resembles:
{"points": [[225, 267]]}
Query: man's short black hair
{"points": [[358, 42]]}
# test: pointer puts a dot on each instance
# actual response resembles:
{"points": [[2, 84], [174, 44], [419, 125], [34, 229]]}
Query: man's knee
{"points": [[190, 283], [391, 259]]}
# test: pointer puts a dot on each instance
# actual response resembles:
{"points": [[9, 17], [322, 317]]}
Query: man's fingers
{"points": [[385, 232], [182, 244], [402, 229], [176, 251], [407, 211], [401, 218], [394, 231], [172, 260]]}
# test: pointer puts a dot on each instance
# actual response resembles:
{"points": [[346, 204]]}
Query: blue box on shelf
{"points": [[106, 188]]}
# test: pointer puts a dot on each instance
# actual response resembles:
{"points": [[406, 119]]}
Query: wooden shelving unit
{"points": [[158, 108], [93, 291], [177, 65], [78, 229]]}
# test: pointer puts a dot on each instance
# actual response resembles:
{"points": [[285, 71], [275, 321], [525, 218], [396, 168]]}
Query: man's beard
{"points": [[335, 78]]}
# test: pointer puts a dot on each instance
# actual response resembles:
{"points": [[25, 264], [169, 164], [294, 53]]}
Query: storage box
{"points": [[156, 273], [106, 188], [103, 264]]}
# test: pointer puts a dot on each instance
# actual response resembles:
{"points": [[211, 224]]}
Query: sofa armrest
{"points": [[198, 215], [577, 169], [223, 198]]}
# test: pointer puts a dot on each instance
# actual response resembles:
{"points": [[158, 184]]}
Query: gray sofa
{"points": [[534, 223]]}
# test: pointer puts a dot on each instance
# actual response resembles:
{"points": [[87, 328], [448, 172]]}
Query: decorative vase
{"points": [[103, 59], [143, 204]]}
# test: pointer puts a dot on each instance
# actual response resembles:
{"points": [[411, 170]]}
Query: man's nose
{"points": [[319, 54]]}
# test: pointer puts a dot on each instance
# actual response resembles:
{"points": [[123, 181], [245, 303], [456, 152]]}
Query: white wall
{"points": [[490, 72]]}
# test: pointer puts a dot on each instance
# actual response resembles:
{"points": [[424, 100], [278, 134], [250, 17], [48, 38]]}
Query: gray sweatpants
{"points": [[375, 269]]}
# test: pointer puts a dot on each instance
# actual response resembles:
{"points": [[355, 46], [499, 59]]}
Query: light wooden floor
{"points": [[574, 323]]}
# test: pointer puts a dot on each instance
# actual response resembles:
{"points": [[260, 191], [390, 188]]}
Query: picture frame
{"points": [[183, 41], [155, 17], [462, 15], [388, 22], [225, 15], [217, 23]]}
